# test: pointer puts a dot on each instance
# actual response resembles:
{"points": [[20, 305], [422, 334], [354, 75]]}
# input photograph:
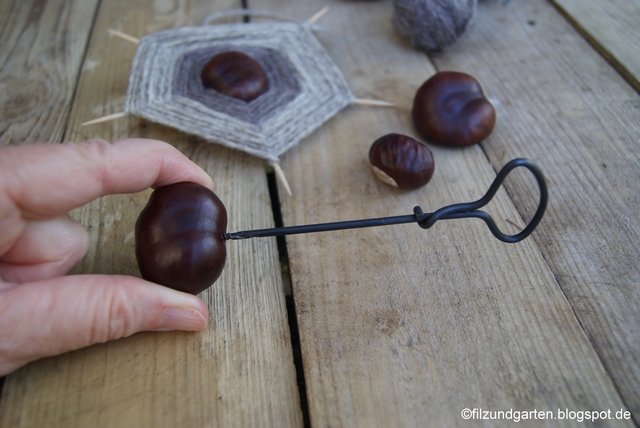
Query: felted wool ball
{"points": [[431, 25]]}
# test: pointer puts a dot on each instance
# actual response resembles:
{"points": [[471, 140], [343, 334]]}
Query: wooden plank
{"points": [[237, 373], [43, 43], [560, 103], [405, 327], [613, 28]]}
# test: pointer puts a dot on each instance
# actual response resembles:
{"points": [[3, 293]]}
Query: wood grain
{"points": [[43, 43], [561, 104], [613, 28], [237, 373], [405, 327]]}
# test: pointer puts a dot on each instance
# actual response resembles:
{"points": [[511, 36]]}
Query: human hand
{"points": [[43, 313]]}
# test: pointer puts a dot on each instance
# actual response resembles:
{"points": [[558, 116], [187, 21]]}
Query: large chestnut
{"points": [[450, 109], [235, 74], [179, 237], [401, 161]]}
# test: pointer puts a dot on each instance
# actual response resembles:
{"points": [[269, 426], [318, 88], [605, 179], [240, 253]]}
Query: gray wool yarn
{"points": [[305, 87], [432, 25]]}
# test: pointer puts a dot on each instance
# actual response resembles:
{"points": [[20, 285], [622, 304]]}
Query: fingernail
{"points": [[181, 318]]}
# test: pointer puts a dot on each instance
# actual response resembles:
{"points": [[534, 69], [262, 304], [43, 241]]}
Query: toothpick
{"points": [[105, 118], [368, 102], [280, 176], [315, 18], [124, 36]]}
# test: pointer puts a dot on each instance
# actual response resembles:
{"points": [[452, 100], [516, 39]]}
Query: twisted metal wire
{"points": [[470, 209], [427, 220]]}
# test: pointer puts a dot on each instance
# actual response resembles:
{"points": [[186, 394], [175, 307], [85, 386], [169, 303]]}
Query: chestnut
{"points": [[235, 74], [401, 161], [450, 109], [179, 237]]}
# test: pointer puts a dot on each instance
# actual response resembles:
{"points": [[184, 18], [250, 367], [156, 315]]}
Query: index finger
{"points": [[46, 180]]}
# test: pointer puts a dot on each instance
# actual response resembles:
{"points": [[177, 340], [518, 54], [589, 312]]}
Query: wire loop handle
{"points": [[470, 209], [426, 220]]}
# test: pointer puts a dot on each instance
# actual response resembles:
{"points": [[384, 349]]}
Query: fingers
{"points": [[47, 180], [44, 181], [53, 316], [44, 249]]}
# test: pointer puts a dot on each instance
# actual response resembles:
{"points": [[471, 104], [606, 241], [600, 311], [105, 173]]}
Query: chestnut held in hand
{"points": [[450, 109], [179, 237], [401, 161], [235, 74]]}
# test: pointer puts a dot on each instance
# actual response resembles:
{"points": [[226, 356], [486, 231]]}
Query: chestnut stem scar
{"points": [[426, 220]]}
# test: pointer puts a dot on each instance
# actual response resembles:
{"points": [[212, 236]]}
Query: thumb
{"points": [[61, 314]]}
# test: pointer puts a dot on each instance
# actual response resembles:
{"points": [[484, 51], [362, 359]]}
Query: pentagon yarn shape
{"points": [[305, 87]]}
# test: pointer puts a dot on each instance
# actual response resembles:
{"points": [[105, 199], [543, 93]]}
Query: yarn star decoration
{"points": [[305, 87]]}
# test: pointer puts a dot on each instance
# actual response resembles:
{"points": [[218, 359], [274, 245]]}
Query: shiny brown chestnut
{"points": [[450, 109], [179, 237], [401, 161], [235, 74]]}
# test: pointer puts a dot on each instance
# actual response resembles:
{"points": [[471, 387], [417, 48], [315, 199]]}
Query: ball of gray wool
{"points": [[432, 25]]}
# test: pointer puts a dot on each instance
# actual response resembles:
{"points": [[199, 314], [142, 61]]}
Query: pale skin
{"points": [[42, 311]]}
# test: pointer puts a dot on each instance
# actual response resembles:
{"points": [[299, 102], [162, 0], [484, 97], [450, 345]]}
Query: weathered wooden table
{"points": [[397, 326]]}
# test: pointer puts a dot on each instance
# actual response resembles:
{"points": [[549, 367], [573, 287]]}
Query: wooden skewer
{"points": [[106, 118], [315, 18], [280, 176], [377, 103], [124, 36]]}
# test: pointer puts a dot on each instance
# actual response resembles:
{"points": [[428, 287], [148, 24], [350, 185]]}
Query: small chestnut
{"points": [[235, 74], [401, 161], [179, 237], [450, 109]]}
